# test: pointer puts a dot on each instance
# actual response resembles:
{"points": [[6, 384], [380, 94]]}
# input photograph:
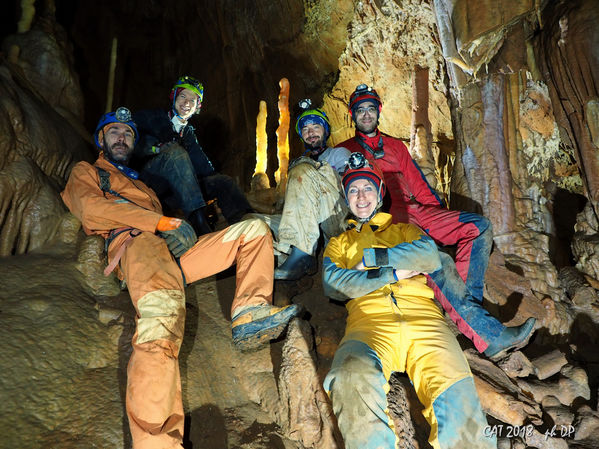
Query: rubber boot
{"points": [[199, 222], [297, 265], [511, 338]]}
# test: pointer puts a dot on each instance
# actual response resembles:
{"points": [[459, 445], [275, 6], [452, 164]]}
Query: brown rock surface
{"points": [[549, 364], [37, 149], [499, 396], [386, 41], [46, 62]]}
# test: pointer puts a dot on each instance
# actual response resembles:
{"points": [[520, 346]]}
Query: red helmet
{"points": [[358, 167], [360, 95]]}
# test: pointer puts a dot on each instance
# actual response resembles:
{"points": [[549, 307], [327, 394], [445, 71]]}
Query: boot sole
{"points": [[259, 337]]}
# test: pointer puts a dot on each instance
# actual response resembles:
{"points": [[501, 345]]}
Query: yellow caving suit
{"points": [[156, 287], [394, 325]]}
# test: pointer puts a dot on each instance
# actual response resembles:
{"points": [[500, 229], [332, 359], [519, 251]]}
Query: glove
{"points": [[179, 235], [157, 148], [304, 160]]}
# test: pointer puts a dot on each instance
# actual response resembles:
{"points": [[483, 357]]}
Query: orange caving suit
{"points": [[156, 287]]}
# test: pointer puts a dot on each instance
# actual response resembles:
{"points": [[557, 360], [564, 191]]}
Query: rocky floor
{"points": [[64, 370], [69, 332]]}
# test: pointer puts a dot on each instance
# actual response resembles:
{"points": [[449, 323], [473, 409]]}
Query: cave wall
{"points": [[38, 147], [511, 162], [568, 52]]}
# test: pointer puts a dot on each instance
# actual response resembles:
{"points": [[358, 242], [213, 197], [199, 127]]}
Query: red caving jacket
{"points": [[405, 181]]}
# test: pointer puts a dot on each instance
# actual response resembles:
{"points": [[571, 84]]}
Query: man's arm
{"points": [[155, 129], [100, 214], [418, 253], [343, 283]]}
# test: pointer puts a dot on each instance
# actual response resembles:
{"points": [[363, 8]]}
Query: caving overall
{"points": [[394, 325], [156, 286]]}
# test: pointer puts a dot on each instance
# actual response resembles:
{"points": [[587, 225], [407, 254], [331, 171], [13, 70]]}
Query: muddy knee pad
{"points": [[161, 317], [358, 391], [251, 228]]}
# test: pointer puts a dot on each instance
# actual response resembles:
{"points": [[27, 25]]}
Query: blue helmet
{"points": [[121, 115], [312, 115]]}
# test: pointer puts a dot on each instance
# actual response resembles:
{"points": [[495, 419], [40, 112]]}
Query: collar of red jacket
{"points": [[365, 138]]}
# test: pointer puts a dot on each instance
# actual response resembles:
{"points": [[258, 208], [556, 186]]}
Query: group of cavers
{"points": [[383, 261]]}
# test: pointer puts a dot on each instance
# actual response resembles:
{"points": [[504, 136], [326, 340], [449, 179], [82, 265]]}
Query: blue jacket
{"points": [[155, 128]]}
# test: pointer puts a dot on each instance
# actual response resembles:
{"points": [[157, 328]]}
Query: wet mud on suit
{"points": [[313, 202]]}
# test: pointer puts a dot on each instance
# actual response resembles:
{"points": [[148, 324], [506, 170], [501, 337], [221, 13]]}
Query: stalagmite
{"points": [[283, 136], [261, 139], [24, 25], [111, 73], [420, 135]]}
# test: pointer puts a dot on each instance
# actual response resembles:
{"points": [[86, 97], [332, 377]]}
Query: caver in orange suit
{"points": [[156, 286]]}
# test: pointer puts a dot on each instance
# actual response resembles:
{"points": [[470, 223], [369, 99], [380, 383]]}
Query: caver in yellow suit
{"points": [[394, 325], [156, 285]]}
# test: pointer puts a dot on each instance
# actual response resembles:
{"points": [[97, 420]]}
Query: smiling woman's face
{"points": [[362, 198]]}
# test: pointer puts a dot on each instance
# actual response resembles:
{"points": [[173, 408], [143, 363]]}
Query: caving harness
{"points": [[133, 232], [105, 187]]}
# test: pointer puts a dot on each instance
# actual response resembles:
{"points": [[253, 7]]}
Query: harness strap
{"points": [[378, 152], [105, 186], [117, 257]]}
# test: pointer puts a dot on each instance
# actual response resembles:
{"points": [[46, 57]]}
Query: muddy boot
{"points": [[199, 222], [257, 325], [511, 338], [297, 265]]}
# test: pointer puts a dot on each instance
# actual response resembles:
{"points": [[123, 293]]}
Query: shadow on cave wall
{"points": [[566, 206]]}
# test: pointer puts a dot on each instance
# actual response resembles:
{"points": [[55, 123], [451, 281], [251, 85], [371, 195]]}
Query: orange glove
{"points": [[168, 223], [179, 234]]}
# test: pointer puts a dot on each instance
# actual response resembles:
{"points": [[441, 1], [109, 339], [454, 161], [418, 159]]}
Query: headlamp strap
{"points": [[378, 152]]}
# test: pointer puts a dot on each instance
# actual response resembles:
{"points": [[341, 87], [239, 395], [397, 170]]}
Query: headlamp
{"points": [[305, 104], [193, 82], [123, 114], [357, 161]]}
